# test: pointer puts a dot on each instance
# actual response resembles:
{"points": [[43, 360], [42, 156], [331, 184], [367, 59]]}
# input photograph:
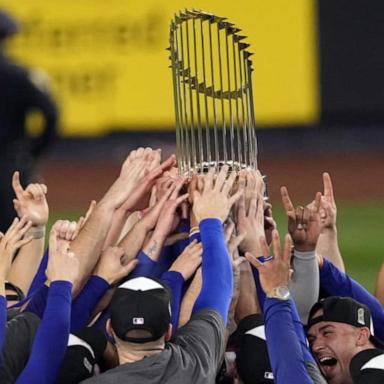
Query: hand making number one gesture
{"points": [[31, 201]]}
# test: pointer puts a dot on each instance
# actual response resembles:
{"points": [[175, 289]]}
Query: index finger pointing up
{"points": [[16, 184], [287, 203], [328, 187]]}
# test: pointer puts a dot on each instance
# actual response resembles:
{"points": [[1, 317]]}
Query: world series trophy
{"points": [[212, 86]]}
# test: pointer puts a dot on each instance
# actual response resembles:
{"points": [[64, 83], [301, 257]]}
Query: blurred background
{"points": [[318, 88]]}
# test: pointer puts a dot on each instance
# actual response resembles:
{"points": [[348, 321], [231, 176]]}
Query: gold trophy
{"points": [[212, 85]]}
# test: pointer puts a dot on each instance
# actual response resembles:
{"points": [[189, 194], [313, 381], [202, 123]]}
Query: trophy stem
{"points": [[223, 122], [207, 122], [192, 126], [232, 136], [237, 94], [184, 82], [196, 86], [242, 89], [216, 140], [248, 115]]}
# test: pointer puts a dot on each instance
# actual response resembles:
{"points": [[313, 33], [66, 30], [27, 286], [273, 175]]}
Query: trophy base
{"points": [[204, 167]]}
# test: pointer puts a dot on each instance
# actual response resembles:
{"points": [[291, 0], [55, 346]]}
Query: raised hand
{"points": [[328, 210], [269, 222], [327, 245], [83, 219], [233, 241], [251, 222], [110, 265], [152, 159], [62, 263], [65, 230], [275, 272], [168, 218], [189, 260], [31, 202], [214, 201], [138, 199], [303, 222], [13, 240], [167, 221], [149, 220]]}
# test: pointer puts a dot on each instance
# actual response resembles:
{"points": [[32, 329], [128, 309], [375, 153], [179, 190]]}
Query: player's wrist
{"points": [[280, 292], [37, 232]]}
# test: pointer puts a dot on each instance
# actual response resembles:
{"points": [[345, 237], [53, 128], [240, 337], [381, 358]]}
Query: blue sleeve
{"points": [[51, 338], [101, 322], [217, 276], [259, 291], [38, 301], [175, 281], [146, 267], [3, 321], [184, 225], [336, 283], [86, 301], [169, 254], [39, 278], [284, 348]]}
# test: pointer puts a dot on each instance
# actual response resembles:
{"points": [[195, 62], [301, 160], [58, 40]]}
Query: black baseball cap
{"points": [[252, 358], [344, 310], [141, 304], [85, 348], [368, 367]]}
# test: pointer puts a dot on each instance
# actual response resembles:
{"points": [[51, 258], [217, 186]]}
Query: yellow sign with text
{"points": [[109, 68]]}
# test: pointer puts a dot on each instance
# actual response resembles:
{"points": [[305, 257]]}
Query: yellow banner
{"points": [[109, 67]]}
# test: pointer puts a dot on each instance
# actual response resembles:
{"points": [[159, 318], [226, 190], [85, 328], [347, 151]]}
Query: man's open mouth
{"points": [[327, 361]]}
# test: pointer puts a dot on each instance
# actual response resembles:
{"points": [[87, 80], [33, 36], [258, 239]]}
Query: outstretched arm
{"points": [[129, 188], [46, 356], [337, 283], [284, 347], [9, 244], [211, 207], [328, 245], [304, 227], [32, 203]]}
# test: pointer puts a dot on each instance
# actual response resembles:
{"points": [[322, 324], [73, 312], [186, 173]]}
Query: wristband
{"points": [[194, 230], [36, 232]]}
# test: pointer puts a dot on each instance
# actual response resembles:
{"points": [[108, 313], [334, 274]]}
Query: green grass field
{"points": [[361, 237]]}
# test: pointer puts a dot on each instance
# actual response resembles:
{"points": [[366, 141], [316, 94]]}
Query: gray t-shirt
{"points": [[193, 356], [19, 336]]}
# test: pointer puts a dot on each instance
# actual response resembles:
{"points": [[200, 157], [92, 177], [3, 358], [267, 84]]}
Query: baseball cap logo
{"points": [[268, 376], [138, 321], [360, 316], [87, 365]]}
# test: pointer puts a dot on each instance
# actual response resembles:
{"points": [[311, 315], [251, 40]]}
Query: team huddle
{"points": [[169, 279]]}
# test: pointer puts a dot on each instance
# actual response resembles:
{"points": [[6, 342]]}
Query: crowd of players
{"points": [[175, 280]]}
